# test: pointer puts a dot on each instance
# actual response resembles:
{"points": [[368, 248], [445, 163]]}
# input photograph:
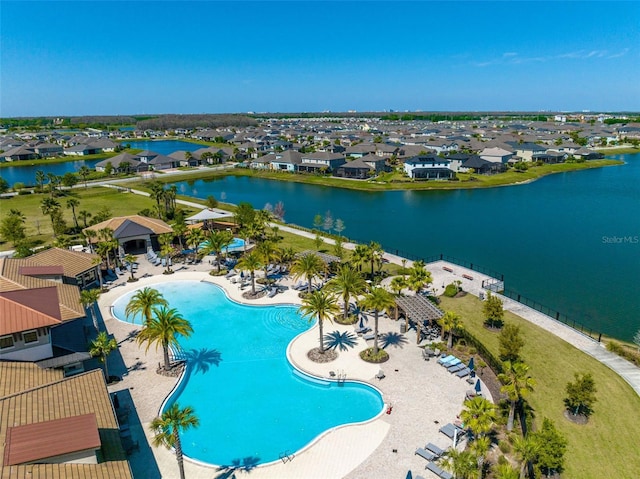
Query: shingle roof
{"points": [[63, 398], [155, 225]]}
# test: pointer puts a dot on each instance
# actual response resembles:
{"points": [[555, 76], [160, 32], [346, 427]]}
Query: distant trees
{"points": [[581, 395]]}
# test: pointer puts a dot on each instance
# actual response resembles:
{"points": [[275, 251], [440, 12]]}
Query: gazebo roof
{"points": [[419, 308], [327, 258]]}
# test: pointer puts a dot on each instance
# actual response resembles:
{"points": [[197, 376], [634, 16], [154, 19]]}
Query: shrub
{"points": [[451, 290], [624, 351], [505, 448], [24, 192], [18, 185], [368, 356]]}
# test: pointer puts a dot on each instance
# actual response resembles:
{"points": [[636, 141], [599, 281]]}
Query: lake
{"points": [[570, 241], [26, 173]]}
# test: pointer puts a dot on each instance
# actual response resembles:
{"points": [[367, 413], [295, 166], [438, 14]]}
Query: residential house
{"points": [[428, 167], [361, 168], [360, 150], [481, 166], [82, 150], [496, 155], [123, 162], [320, 162], [47, 150], [51, 426], [525, 151], [19, 153], [287, 160]]}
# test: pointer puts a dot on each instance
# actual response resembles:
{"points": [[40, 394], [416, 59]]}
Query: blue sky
{"points": [[120, 57]]}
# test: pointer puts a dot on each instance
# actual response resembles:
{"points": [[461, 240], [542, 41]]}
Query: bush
{"points": [[451, 290], [624, 351], [18, 185], [368, 356], [24, 192], [505, 447]]}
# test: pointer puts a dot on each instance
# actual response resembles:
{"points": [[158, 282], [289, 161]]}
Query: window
{"points": [[6, 342], [30, 337]]}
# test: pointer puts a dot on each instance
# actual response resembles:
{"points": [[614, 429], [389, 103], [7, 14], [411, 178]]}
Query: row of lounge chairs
{"points": [[431, 453], [455, 366], [153, 257]]}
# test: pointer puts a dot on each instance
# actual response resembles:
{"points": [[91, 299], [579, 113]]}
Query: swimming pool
{"points": [[252, 404], [236, 245]]}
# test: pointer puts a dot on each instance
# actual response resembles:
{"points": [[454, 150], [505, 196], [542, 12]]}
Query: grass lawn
{"points": [[607, 445], [91, 199]]}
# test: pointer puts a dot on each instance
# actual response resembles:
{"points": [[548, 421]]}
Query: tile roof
{"points": [[63, 398], [41, 270], [23, 310], [33, 442], [12, 280], [22, 376], [73, 262], [154, 224]]}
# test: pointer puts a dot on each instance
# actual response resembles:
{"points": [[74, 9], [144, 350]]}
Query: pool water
{"points": [[236, 245], [252, 404]]}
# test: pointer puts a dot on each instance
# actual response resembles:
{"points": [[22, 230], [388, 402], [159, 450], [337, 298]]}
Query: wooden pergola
{"points": [[419, 309]]}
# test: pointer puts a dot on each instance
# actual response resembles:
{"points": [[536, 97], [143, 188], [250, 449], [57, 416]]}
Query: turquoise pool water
{"points": [[236, 245], [252, 405]]}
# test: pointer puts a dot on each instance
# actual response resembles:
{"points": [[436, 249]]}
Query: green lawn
{"points": [[607, 445]]}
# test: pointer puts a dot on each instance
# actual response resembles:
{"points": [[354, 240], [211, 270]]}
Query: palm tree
{"points": [[360, 255], [163, 329], [479, 415], [84, 215], [72, 203], [84, 172], [378, 299], [179, 229], [449, 323], [41, 177], [143, 303], [517, 384], [321, 305], [268, 253], [347, 282], [251, 262], [419, 277], [527, 450], [309, 266], [157, 191], [54, 181], [167, 429], [89, 297], [101, 347], [216, 241], [50, 207], [462, 464], [195, 236], [130, 259], [166, 249], [505, 471], [480, 447]]}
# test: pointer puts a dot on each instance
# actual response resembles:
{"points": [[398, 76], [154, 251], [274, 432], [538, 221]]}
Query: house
{"points": [[185, 158], [481, 166], [496, 155], [51, 426], [525, 150], [158, 161], [82, 150], [135, 233], [123, 162], [262, 163], [384, 150], [360, 150], [550, 157], [46, 150], [19, 153], [587, 154], [356, 169], [320, 162], [428, 167], [287, 160]]}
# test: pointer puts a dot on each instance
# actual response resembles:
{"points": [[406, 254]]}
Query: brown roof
{"points": [[74, 396], [41, 270], [33, 442], [21, 376], [12, 280], [154, 224], [25, 310], [73, 262]]}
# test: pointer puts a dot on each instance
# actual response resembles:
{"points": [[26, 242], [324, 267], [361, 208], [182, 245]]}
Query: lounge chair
{"points": [[230, 274], [453, 362], [463, 373], [433, 467], [434, 449], [119, 272], [369, 336], [446, 359], [362, 330], [428, 455], [273, 292], [456, 367], [449, 430], [380, 374]]}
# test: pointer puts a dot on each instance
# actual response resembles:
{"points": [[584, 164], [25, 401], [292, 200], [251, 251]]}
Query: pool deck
{"points": [[422, 396]]}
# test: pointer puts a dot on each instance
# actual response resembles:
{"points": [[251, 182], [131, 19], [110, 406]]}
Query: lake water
{"points": [[26, 173], [571, 241]]}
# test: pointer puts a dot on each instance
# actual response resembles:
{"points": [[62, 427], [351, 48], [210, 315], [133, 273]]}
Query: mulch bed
{"points": [[250, 295], [175, 371], [580, 419], [317, 357]]}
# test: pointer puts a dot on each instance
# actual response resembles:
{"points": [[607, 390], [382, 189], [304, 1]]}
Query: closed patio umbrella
{"points": [[409, 475], [472, 366], [478, 387]]}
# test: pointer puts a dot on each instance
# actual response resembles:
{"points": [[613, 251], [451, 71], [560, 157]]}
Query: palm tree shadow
{"points": [[200, 360], [393, 339], [343, 341], [245, 465]]}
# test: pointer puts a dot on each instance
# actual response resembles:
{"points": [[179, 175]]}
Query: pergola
{"points": [[419, 309]]}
